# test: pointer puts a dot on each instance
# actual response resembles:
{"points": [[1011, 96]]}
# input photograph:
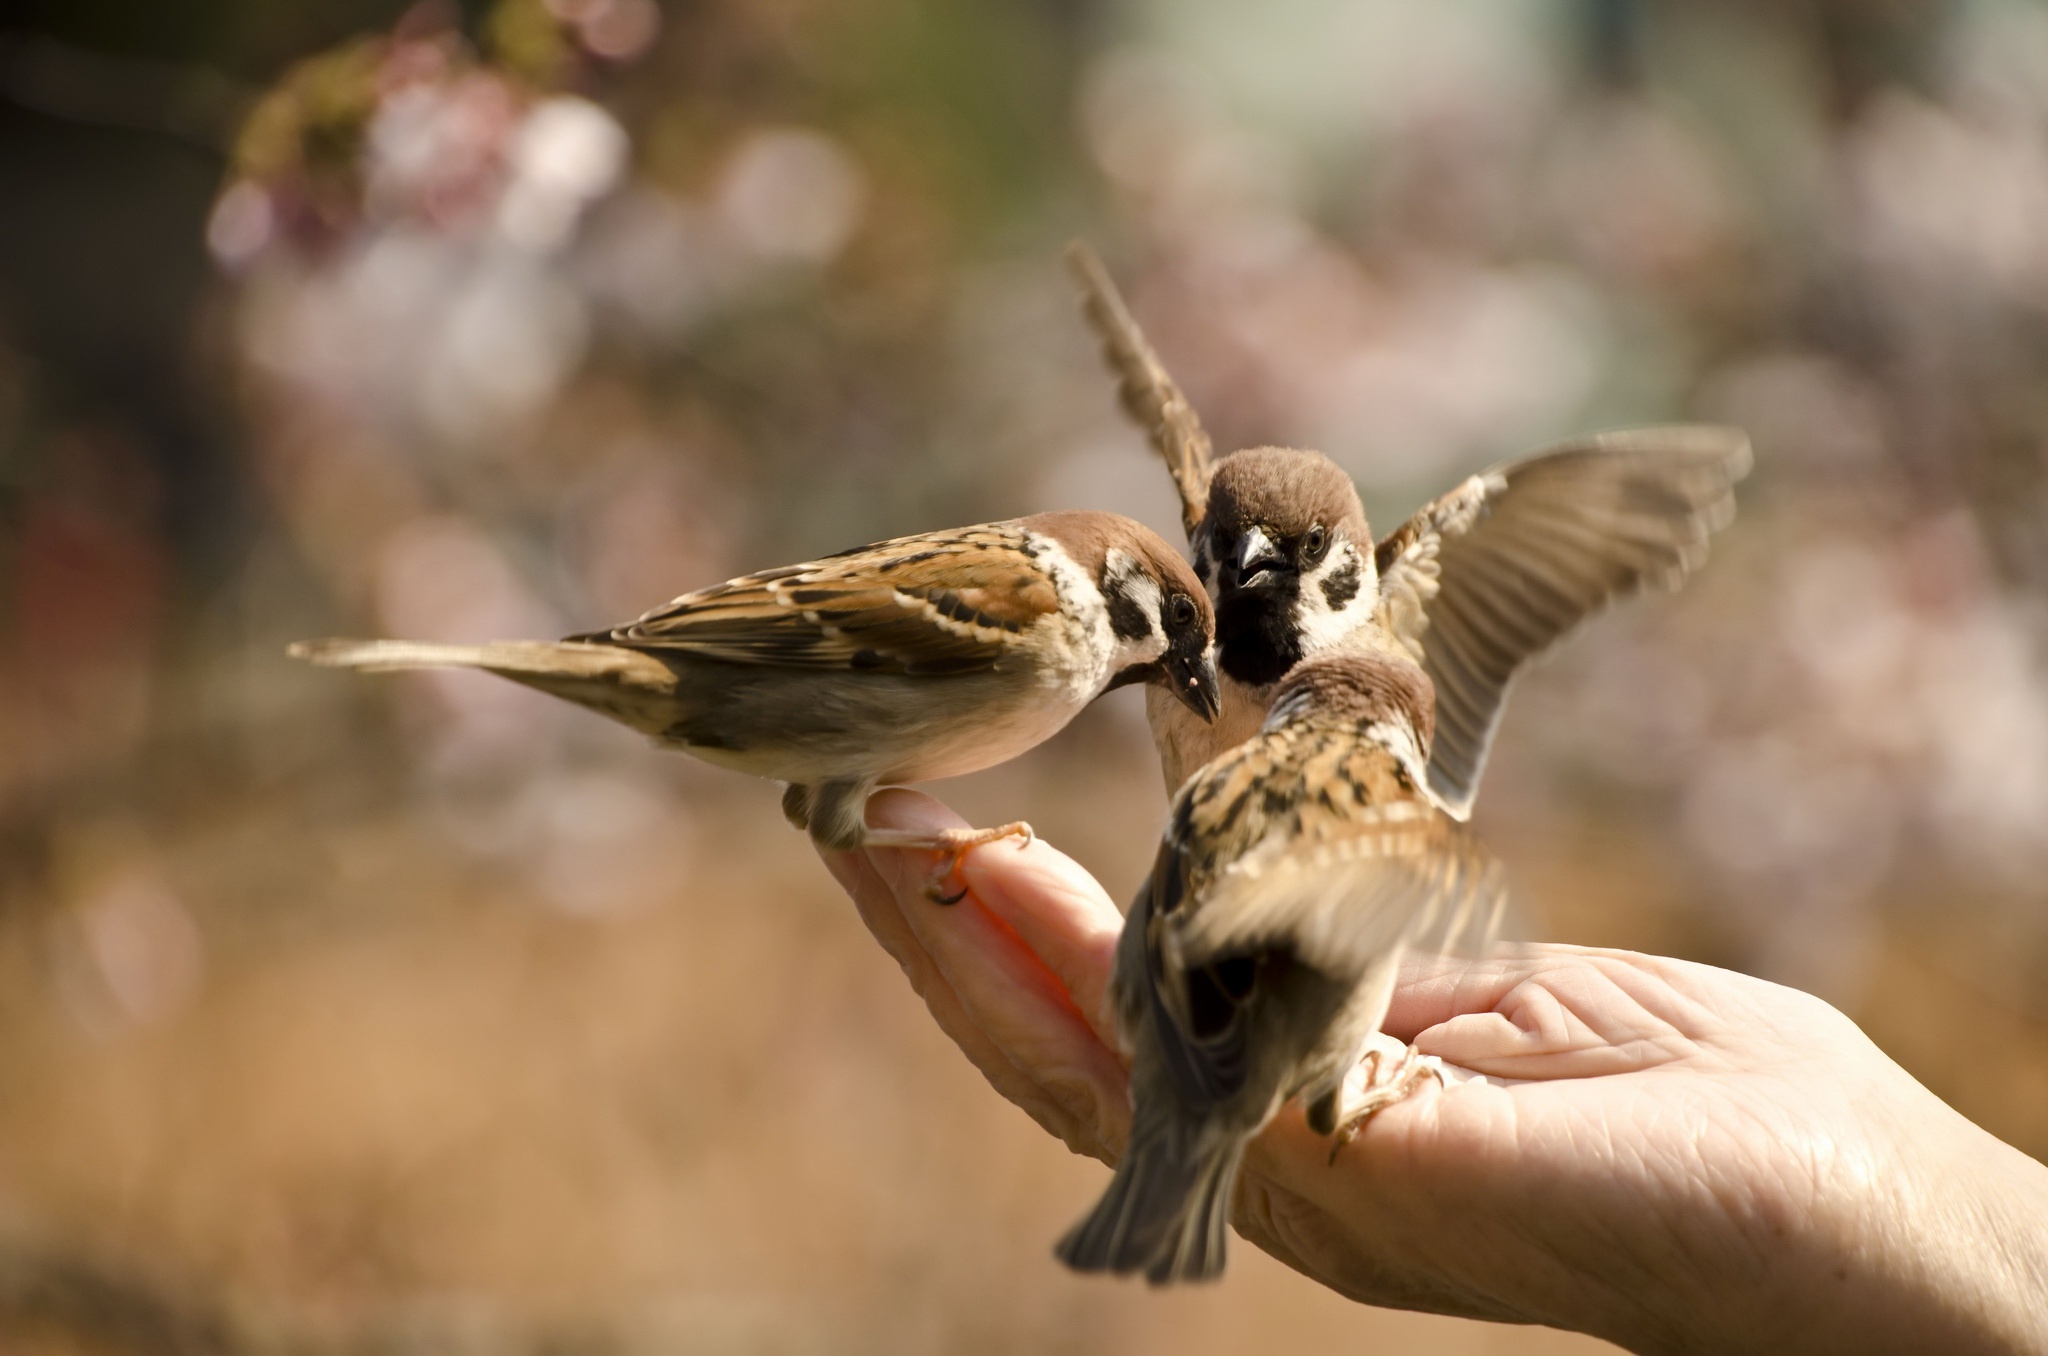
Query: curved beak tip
{"points": [[1259, 582], [1256, 548], [1257, 563], [1202, 693]]}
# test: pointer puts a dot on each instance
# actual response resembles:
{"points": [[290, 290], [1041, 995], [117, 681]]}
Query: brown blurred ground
{"points": [[352, 1015]]}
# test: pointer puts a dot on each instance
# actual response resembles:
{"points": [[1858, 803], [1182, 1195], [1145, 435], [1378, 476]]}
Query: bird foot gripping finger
{"points": [[958, 843], [1392, 1073], [952, 845]]}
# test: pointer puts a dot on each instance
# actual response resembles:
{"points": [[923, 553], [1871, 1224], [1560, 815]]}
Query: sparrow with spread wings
{"points": [[1259, 959], [908, 660], [1472, 587]]}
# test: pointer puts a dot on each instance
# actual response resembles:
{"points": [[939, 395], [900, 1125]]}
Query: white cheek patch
{"points": [[1133, 600], [1081, 646], [1337, 597]]}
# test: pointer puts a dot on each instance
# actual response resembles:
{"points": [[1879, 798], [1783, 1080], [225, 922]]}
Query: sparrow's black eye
{"points": [[1314, 543], [1180, 611]]}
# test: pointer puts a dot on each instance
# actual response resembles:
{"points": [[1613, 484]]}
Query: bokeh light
{"points": [[425, 1014]]}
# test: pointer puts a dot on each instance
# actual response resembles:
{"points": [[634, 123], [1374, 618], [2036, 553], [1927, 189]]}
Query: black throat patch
{"points": [[1256, 642]]}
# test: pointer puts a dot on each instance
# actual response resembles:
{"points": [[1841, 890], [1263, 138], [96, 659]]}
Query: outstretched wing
{"points": [[1495, 572], [1344, 898], [1319, 915], [1149, 394], [940, 603], [1298, 862]]}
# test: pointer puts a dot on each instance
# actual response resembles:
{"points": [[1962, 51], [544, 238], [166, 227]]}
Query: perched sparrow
{"points": [[1473, 586], [908, 660], [1259, 959]]}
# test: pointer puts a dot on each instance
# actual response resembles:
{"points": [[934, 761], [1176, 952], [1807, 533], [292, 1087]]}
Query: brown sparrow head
{"points": [[1259, 959], [1285, 551], [1473, 586], [907, 660]]}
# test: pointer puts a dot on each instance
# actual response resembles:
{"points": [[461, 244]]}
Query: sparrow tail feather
{"points": [[1150, 395], [622, 683], [1166, 1211]]}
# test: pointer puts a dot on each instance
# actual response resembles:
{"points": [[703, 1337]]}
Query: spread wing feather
{"points": [[1498, 570], [1396, 878], [939, 603], [1149, 393]]}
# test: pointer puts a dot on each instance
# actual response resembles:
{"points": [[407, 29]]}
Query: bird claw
{"points": [[957, 843], [952, 845], [1389, 1078], [936, 891]]}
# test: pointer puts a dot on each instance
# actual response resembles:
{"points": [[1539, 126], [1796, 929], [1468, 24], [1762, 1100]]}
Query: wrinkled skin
{"points": [[1689, 1160]]}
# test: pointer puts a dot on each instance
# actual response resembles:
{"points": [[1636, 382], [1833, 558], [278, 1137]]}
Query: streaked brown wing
{"points": [[1409, 567], [1297, 782], [1492, 574], [1223, 811], [939, 603], [1305, 839], [1150, 395], [1402, 874]]}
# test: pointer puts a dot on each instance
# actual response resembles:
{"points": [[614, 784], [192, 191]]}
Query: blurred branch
{"points": [[191, 103]]}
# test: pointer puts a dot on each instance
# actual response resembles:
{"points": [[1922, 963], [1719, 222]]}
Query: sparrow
{"points": [[1472, 587], [907, 660], [1259, 958]]}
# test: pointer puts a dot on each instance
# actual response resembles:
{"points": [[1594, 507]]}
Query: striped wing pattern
{"points": [[938, 603], [1150, 395], [1312, 841], [1317, 834], [1494, 573]]}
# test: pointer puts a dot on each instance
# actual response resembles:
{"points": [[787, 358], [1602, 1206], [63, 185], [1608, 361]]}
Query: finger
{"points": [[1551, 1012], [877, 903], [1434, 988], [1061, 912], [1002, 983], [1500, 1046]]}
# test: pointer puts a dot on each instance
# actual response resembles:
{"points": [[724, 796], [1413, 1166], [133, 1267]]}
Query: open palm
{"points": [[1669, 1155]]}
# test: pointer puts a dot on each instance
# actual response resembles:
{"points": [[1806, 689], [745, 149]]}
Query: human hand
{"points": [[1681, 1158]]}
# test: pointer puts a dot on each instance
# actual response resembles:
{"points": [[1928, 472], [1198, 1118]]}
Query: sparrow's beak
{"points": [[1256, 557], [1192, 678]]}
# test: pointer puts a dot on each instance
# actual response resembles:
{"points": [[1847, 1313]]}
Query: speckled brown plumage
{"points": [[1473, 586], [1259, 957], [906, 660]]}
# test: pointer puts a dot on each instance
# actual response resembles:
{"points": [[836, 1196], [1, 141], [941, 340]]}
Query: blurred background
{"points": [[391, 1015]]}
